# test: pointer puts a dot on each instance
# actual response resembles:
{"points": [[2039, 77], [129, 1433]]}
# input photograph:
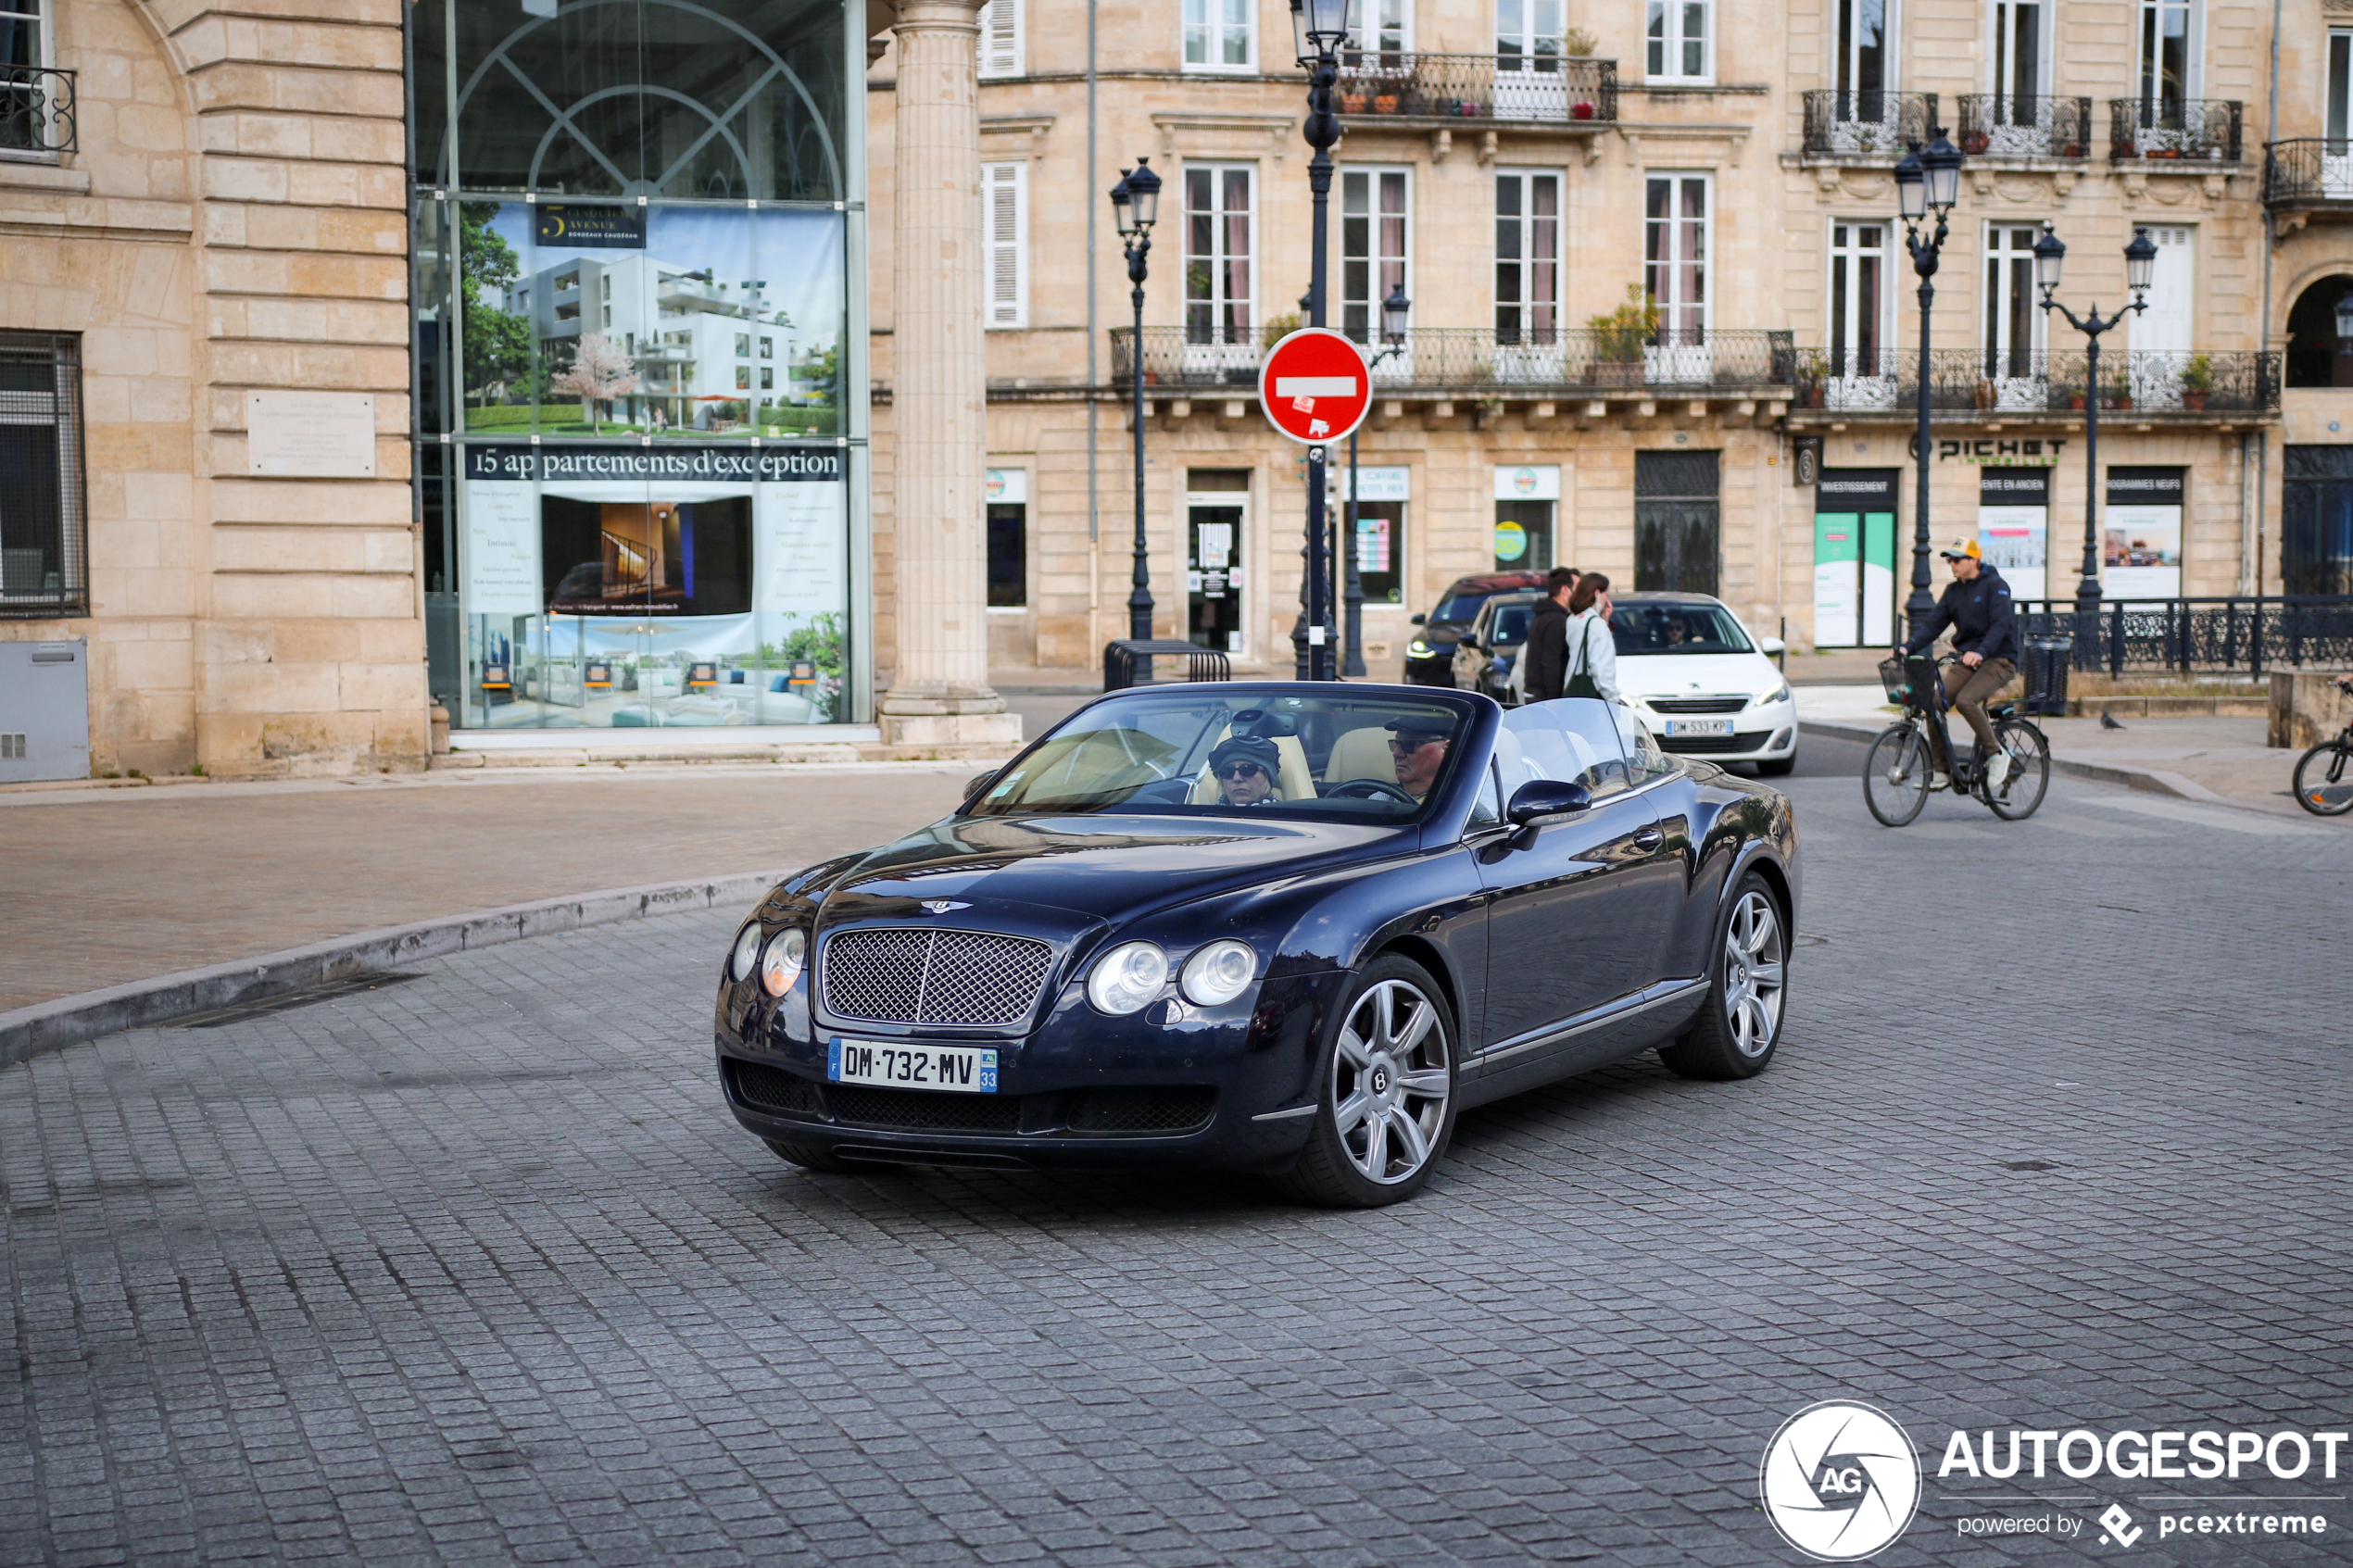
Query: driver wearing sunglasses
{"points": [[1244, 767]]}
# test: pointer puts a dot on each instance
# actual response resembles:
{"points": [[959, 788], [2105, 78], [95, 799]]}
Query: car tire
{"points": [[1777, 767], [807, 1156], [1375, 1136], [1739, 1027]]}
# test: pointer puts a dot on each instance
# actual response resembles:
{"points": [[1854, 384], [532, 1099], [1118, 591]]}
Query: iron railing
{"points": [[2180, 384], [1866, 125], [2243, 632], [1516, 88], [36, 111], [1481, 362], [2202, 129], [2309, 172], [2004, 125]]}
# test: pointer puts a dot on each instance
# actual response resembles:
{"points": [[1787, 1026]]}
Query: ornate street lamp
{"points": [[2140, 263], [1395, 311], [1926, 182], [1318, 28], [1135, 207]]}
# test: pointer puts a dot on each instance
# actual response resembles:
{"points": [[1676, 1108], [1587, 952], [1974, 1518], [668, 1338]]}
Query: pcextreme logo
{"points": [[1840, 1481]]}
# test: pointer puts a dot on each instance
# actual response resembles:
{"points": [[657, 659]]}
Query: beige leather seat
{"points": [[1293, 780], [1360, 754]]}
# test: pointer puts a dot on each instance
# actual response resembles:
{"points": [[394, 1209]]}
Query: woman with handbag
{"points": [[1592, 651]]}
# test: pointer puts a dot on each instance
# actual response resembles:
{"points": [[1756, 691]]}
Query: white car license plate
{"points": [[1699, 726], [960, 1069]]}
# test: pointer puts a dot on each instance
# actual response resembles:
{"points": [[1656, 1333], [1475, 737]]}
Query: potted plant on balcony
{"points": [[1620, 336], [1975, 142], [1384, 103], [2116, 394], [2198, 380], [1352, 101], [1813, 375]]}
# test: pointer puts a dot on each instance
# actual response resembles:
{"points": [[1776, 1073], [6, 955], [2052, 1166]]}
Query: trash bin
{"points": [[2046, 660]]}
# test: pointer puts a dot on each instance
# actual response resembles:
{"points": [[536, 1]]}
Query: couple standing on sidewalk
{"points": [[1977, 607], [1570, 651]]}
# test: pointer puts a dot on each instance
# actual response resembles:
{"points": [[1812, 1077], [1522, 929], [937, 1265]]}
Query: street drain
{"points": [[286, 1001]]}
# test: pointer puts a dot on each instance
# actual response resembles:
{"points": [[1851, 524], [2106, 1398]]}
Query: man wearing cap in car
{"points": [[1418, 747], [1977, 607], [1245, 768]]}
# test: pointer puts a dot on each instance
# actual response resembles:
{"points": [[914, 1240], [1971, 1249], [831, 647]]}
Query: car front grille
{"points": [[1153, 1110], [1699, 704], [1712, 745], [917, 1110], [911, 974], [1162, 1108]]}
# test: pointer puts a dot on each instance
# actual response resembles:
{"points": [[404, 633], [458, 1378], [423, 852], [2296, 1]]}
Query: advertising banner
{"points": [[2013, 527], [2141, 534]]}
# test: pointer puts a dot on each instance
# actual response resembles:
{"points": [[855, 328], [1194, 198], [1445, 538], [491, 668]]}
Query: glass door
{"points": [[2013, 125], [1527, 276], [1860, 375], [2009, 372], [1527, 60], [1675, 274], [2161, 333], [1376, 212], [2336, 152], [1213, 571], [1220, 290]]}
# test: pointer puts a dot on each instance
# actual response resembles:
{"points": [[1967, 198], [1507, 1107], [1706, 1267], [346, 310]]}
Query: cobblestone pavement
{"points": [[474, 1268]]}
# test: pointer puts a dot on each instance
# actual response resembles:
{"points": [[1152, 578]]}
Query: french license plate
{"points": [[1699, 726], [960, 1069]]}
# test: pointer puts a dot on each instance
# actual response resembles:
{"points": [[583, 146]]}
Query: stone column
{"points": [[940, 694]]}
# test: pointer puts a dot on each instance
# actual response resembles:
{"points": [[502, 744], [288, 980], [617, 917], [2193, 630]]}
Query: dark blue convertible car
{"points": [[1288, 928]]}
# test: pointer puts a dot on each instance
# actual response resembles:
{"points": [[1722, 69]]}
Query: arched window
{"points": [[2316, 353]]}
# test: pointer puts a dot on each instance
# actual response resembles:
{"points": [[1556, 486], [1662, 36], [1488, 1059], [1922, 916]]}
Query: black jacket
{"points": [[1547, 650], [1979, 613]]}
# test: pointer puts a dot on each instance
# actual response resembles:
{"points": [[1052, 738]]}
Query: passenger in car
{"points": [[1419, 749], [1244, 767]]}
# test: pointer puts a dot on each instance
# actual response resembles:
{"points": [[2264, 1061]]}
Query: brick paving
{"points": [[475, 1268]]}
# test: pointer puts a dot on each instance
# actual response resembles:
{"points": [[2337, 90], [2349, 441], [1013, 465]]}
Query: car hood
{"points": [[1693, 674], [1072, 871]]}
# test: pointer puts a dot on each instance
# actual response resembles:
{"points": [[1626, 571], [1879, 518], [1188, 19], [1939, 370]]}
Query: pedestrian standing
{"points": [[1592, 651], [1545, 656]]}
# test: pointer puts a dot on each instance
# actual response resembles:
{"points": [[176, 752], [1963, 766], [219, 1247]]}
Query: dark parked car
{"points": [[1429, 657], [1284, 927], [1488, 649]]}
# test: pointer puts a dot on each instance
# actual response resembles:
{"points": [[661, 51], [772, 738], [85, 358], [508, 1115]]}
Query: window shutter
{"points": [[1004, 193], [1000, 38]]}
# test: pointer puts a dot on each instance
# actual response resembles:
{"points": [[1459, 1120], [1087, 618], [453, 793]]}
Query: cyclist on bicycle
{"points": [[1977, 607]]}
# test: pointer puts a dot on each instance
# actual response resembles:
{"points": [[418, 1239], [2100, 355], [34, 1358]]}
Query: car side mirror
{"points": [[1467, 641], [1774, 647], [1547, 798], [1421, 621]]}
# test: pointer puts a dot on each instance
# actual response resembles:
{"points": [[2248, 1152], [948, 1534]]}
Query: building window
{"points": [[2339, 106], [1382, 28], [1381, 551], [1862, 57], [743, 378], [2316, 521], [1373, 245], [2018, 54], [1680, 45], [2169, 58], [2013, 320], [1675, 255], [1007, 555], [1526, 30], [767, 348], [44, 534], [1217, 35], [1528, 257], [1000, 38], [743, 346], [1860, 299], [1218, 284], [1004, 189], [767, 378]]}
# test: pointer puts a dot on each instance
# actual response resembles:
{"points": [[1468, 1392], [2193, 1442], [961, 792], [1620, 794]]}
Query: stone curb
{"points": [[65, 1021], [2152, 781]]}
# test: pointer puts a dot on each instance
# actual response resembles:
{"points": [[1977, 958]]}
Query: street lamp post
{"points": [[1134, 206], [1394, 311], [1319, 28], [2140, 262], [1926, 182]]}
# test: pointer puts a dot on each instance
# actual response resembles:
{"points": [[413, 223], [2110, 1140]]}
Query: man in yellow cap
{"points": [[1977, 607]]}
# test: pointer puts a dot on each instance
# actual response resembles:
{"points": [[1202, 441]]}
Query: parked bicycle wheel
{"points": [[1896, 776], [2324, 779], [2030, 770]]}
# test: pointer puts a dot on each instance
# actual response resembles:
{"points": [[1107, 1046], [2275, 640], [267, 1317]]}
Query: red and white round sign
{"points": [[1314, 387]]}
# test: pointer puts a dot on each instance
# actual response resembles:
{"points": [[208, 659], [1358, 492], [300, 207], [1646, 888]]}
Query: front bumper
{"points": [[1758, 734]]}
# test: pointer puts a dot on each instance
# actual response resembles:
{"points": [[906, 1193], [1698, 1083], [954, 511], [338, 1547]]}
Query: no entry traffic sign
{"points": [[1314, 387]]}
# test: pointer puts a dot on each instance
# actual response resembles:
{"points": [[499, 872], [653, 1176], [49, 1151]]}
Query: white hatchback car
{"points": [[1703, 683]]}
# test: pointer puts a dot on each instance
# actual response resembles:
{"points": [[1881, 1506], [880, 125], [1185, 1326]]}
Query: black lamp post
{"points": [[1926, 182], [1394, 312], [1319, 28], [1135, 205], [2140, 261]]}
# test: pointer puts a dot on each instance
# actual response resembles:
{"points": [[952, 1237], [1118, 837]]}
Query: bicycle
{"points": [[2321, 787], [1901, 768]]}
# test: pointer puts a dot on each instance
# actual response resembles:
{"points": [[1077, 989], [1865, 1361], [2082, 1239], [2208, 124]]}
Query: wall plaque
{"points": [[311, 435]]}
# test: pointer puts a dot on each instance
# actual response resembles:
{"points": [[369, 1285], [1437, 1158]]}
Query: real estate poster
{"points": [[2141, 534], [2013, 527], [500, 554]]}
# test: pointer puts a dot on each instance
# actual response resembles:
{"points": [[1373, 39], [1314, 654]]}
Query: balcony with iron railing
{"points": [[2234, 386], [1867, 127], [1569, 90], [37, 110], [1478, 362], [2309, 174], [2004, 125], [2191, 130]]}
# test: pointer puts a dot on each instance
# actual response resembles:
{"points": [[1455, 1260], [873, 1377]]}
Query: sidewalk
{"points": [[2199, 759]]}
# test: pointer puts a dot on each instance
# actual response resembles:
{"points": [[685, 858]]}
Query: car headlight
{"points": [[1418, 649], [1127, 978], [1779, 694], [1219, 972], [781, 965], [744, 953]]}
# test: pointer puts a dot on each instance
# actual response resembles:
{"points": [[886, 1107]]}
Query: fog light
{"points": [[1782, 739]]}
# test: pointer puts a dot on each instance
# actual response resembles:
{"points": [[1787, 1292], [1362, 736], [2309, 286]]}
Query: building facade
{"points": [[1664, 323]]}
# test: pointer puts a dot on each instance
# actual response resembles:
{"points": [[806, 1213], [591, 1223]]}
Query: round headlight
{"points": [[1219, 972], [744, 953], [1128, 977], [780, 966]]}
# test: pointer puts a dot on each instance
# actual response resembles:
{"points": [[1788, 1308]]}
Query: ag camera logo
{"points": [[1840, 1481]]}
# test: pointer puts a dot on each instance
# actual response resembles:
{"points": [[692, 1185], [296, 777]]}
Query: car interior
{"points": [[1670, 628]]}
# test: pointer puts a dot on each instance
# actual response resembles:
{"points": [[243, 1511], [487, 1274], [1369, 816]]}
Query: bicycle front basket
{"points": [[1891, 676]]}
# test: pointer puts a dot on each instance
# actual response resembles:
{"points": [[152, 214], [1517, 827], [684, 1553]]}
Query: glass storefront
{"points": [[640, 385]]}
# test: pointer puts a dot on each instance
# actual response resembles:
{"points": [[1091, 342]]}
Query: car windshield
{"points": [[1510, 623], [1198, 751], [1643, 630], [1462, 602]]}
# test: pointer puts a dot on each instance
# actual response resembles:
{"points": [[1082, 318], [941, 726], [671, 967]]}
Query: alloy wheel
{"points": [[1753, 973], [1390, 1080]]}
